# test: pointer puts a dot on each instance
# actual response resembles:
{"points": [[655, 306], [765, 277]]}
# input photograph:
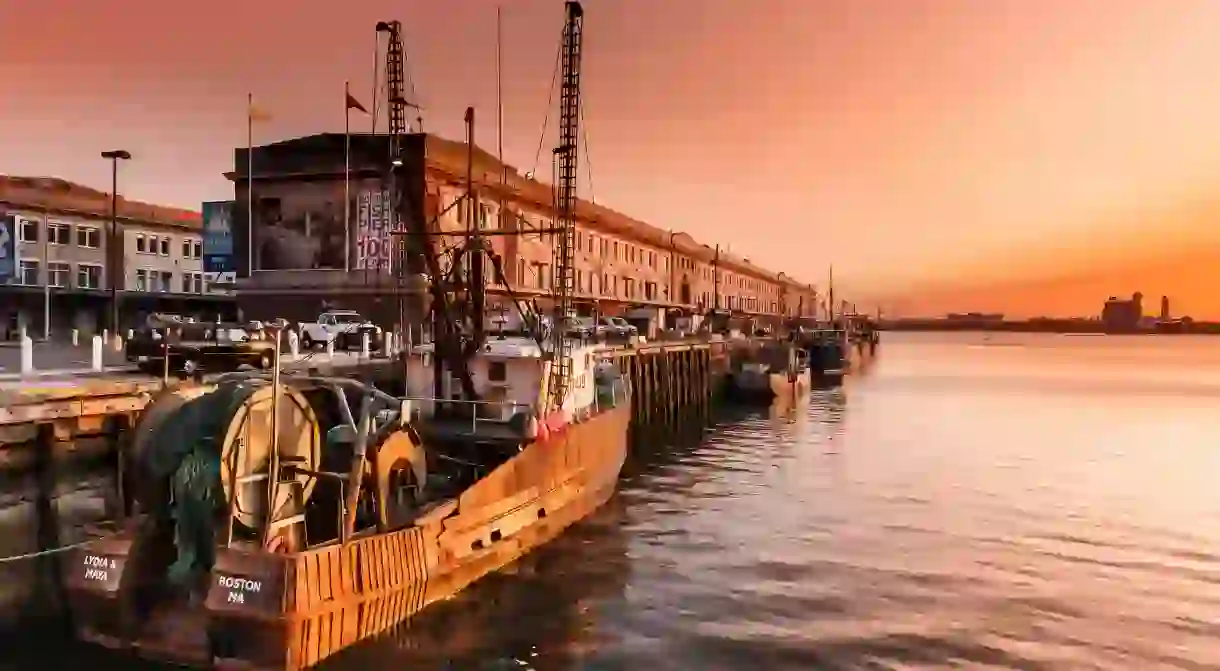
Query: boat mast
{"points": [[420, 246], [566, 155]]}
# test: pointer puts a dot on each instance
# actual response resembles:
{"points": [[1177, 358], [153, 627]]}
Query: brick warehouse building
{"points": [[62, 246], [621, 264]]}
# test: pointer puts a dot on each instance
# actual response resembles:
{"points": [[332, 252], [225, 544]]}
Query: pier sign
{"points": [[374, 220], [218, 262], [8, 246]]}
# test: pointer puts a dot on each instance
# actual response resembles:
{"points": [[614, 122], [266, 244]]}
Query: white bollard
{"points": [[294, 345], [76, 337], [364, 345], [97, 353], [330, 348], [27, 354], [388, 344], [131, 333], [105, 335], [118, 343]]}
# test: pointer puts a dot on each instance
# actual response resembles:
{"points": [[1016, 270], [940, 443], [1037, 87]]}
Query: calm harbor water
{"points": [[967, 501]]}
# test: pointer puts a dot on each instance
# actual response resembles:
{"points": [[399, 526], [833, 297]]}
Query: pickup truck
{"points": [[343, 328]]}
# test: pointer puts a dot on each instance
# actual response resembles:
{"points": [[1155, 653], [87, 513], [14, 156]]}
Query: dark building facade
{"points": [[299, 255]]}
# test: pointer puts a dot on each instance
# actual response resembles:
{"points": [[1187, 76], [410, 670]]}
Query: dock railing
{"points": [[494, 412]]}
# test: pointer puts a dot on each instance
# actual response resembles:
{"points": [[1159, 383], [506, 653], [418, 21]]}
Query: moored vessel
{"points": [[777, 370], [204, 576]]}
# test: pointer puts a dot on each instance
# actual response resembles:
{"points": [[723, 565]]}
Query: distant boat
{"points": [[780, 370]]}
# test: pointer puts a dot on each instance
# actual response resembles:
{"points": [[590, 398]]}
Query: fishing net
{"points": [[186, 448]]}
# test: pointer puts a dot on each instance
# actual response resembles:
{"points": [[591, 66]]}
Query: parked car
{"points": [[582, 328], [199, 348], [344, 328], [616, 328]]}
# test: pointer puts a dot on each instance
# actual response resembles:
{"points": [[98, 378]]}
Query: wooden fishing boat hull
{"points": [[270, 611]]}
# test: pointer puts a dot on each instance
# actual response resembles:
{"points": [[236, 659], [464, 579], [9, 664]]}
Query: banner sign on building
{"points": [[218, 261], [8, 247], [374, 220]]}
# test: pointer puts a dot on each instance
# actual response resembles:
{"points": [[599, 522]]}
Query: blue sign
{"points": [[8, 246], [218, 237]]}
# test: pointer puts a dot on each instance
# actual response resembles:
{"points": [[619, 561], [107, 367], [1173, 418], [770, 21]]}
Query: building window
{"points": [[57, 273], [58, 234], [28, 272], [27, 231], [186, 252], [141, 279], [164, 246], [88, 276], [197, 245], [192, 283], [140, 244], [167, 281], [88, 237]]}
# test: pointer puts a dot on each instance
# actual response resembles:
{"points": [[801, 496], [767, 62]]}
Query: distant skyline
{"points": [[1037, 156]]}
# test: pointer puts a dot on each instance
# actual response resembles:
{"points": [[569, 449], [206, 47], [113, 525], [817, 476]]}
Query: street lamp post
{"points": [[112, 244]]}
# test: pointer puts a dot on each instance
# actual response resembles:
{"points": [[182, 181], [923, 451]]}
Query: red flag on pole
{"points": [[353, 104]]}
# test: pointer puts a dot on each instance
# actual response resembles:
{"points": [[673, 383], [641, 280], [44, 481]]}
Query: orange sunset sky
{"points": [[1025, 156]]}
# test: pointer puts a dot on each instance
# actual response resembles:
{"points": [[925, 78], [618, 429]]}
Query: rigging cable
{"points": [[550, 99], [419, 110], [584, 136]]}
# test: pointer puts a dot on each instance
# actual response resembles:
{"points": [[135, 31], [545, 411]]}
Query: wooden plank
{"points": [[312, 583], [324, 575], [313, 643], [394, 542], [366, 580], [378, 542], [324, 634]]}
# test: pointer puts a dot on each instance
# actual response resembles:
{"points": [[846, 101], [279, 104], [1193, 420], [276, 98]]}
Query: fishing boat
{"points": [[776, 370], [371, 520], [829, 355], [282, 518]]}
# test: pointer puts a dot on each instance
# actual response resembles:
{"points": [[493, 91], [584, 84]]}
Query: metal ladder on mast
{"points": [[566, 155]]}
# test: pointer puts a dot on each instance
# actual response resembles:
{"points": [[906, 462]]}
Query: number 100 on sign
{"points": [[373, 252]]}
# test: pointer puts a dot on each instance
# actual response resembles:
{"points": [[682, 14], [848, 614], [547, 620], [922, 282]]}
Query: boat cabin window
{"points": [[497, 371]]}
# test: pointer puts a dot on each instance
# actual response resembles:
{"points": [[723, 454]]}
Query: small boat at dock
{"points": [[828, 353], [777, 370]]}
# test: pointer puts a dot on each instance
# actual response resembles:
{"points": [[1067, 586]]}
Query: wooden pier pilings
{"points": [[675, 387]]}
